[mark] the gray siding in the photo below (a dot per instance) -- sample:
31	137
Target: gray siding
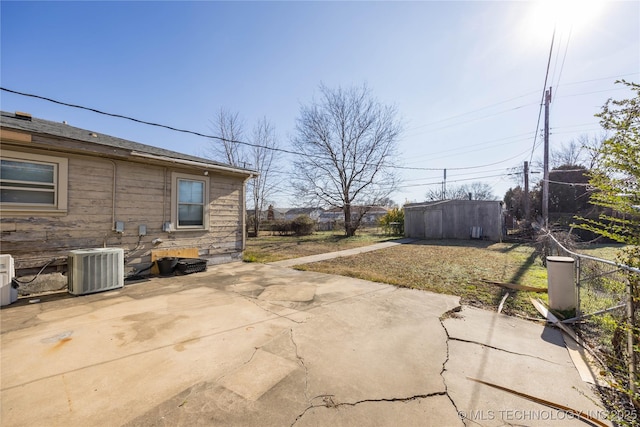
453	219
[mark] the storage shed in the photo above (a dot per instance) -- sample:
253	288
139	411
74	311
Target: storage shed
454	219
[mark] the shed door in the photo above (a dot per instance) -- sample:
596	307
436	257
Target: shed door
433	224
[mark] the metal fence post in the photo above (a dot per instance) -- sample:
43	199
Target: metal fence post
632	356
578	270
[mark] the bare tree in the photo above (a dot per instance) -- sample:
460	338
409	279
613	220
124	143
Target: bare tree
581	151
481	191
259	154
568	154
230	128
262	155
347	141
475	191
591	147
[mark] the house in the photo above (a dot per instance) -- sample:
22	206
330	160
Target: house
373	214
454	219
331	215
313	213
370	215
66	188
270	214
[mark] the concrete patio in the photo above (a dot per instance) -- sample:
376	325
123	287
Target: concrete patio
252	344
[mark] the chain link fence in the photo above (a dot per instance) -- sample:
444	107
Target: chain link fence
607	320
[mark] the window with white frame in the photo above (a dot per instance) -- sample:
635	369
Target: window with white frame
33	182
190	202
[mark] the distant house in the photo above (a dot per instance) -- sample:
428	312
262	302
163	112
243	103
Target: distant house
370	214
373	214
65	188
454	219
331	215
276	213
313	213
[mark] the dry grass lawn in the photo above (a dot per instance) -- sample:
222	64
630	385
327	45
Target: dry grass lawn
450	267
268	248
455	268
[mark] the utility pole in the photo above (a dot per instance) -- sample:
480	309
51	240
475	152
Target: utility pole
444	186
545	182
526	190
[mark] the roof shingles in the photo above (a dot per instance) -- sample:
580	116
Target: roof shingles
63	130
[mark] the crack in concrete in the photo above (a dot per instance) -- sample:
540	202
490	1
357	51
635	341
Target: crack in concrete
327	402
331	404
301	360
502	349
255	350
451	313
446	360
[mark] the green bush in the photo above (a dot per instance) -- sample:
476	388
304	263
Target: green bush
303	225
393	221
281	226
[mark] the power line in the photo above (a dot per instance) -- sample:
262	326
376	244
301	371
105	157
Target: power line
601	78
595	91
120	116
571	184
221	138
564	57
471	120
544	89
451	181
518	97
261	146
473	111
484	148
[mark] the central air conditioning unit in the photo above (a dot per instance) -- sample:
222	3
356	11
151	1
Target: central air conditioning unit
8	294
95	270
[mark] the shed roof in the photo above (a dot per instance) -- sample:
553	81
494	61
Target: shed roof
450	201
63	130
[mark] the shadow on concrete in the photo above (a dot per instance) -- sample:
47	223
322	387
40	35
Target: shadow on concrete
552	336
61	295
39	299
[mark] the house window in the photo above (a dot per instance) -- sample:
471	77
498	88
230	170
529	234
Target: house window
190	202
32	182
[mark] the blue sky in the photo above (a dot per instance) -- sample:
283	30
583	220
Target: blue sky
466	77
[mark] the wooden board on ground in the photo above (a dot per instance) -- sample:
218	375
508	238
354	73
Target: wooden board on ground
177	252
584	359
514	286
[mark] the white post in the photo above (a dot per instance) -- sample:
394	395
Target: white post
561	283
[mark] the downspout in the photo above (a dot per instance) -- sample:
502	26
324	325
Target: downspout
164	197
244	211
244	214
113	193
113	201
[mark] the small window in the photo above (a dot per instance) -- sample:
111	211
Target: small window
31	182
189	208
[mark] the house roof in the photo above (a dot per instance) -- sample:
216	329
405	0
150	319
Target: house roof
302	211
136	149
356	208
